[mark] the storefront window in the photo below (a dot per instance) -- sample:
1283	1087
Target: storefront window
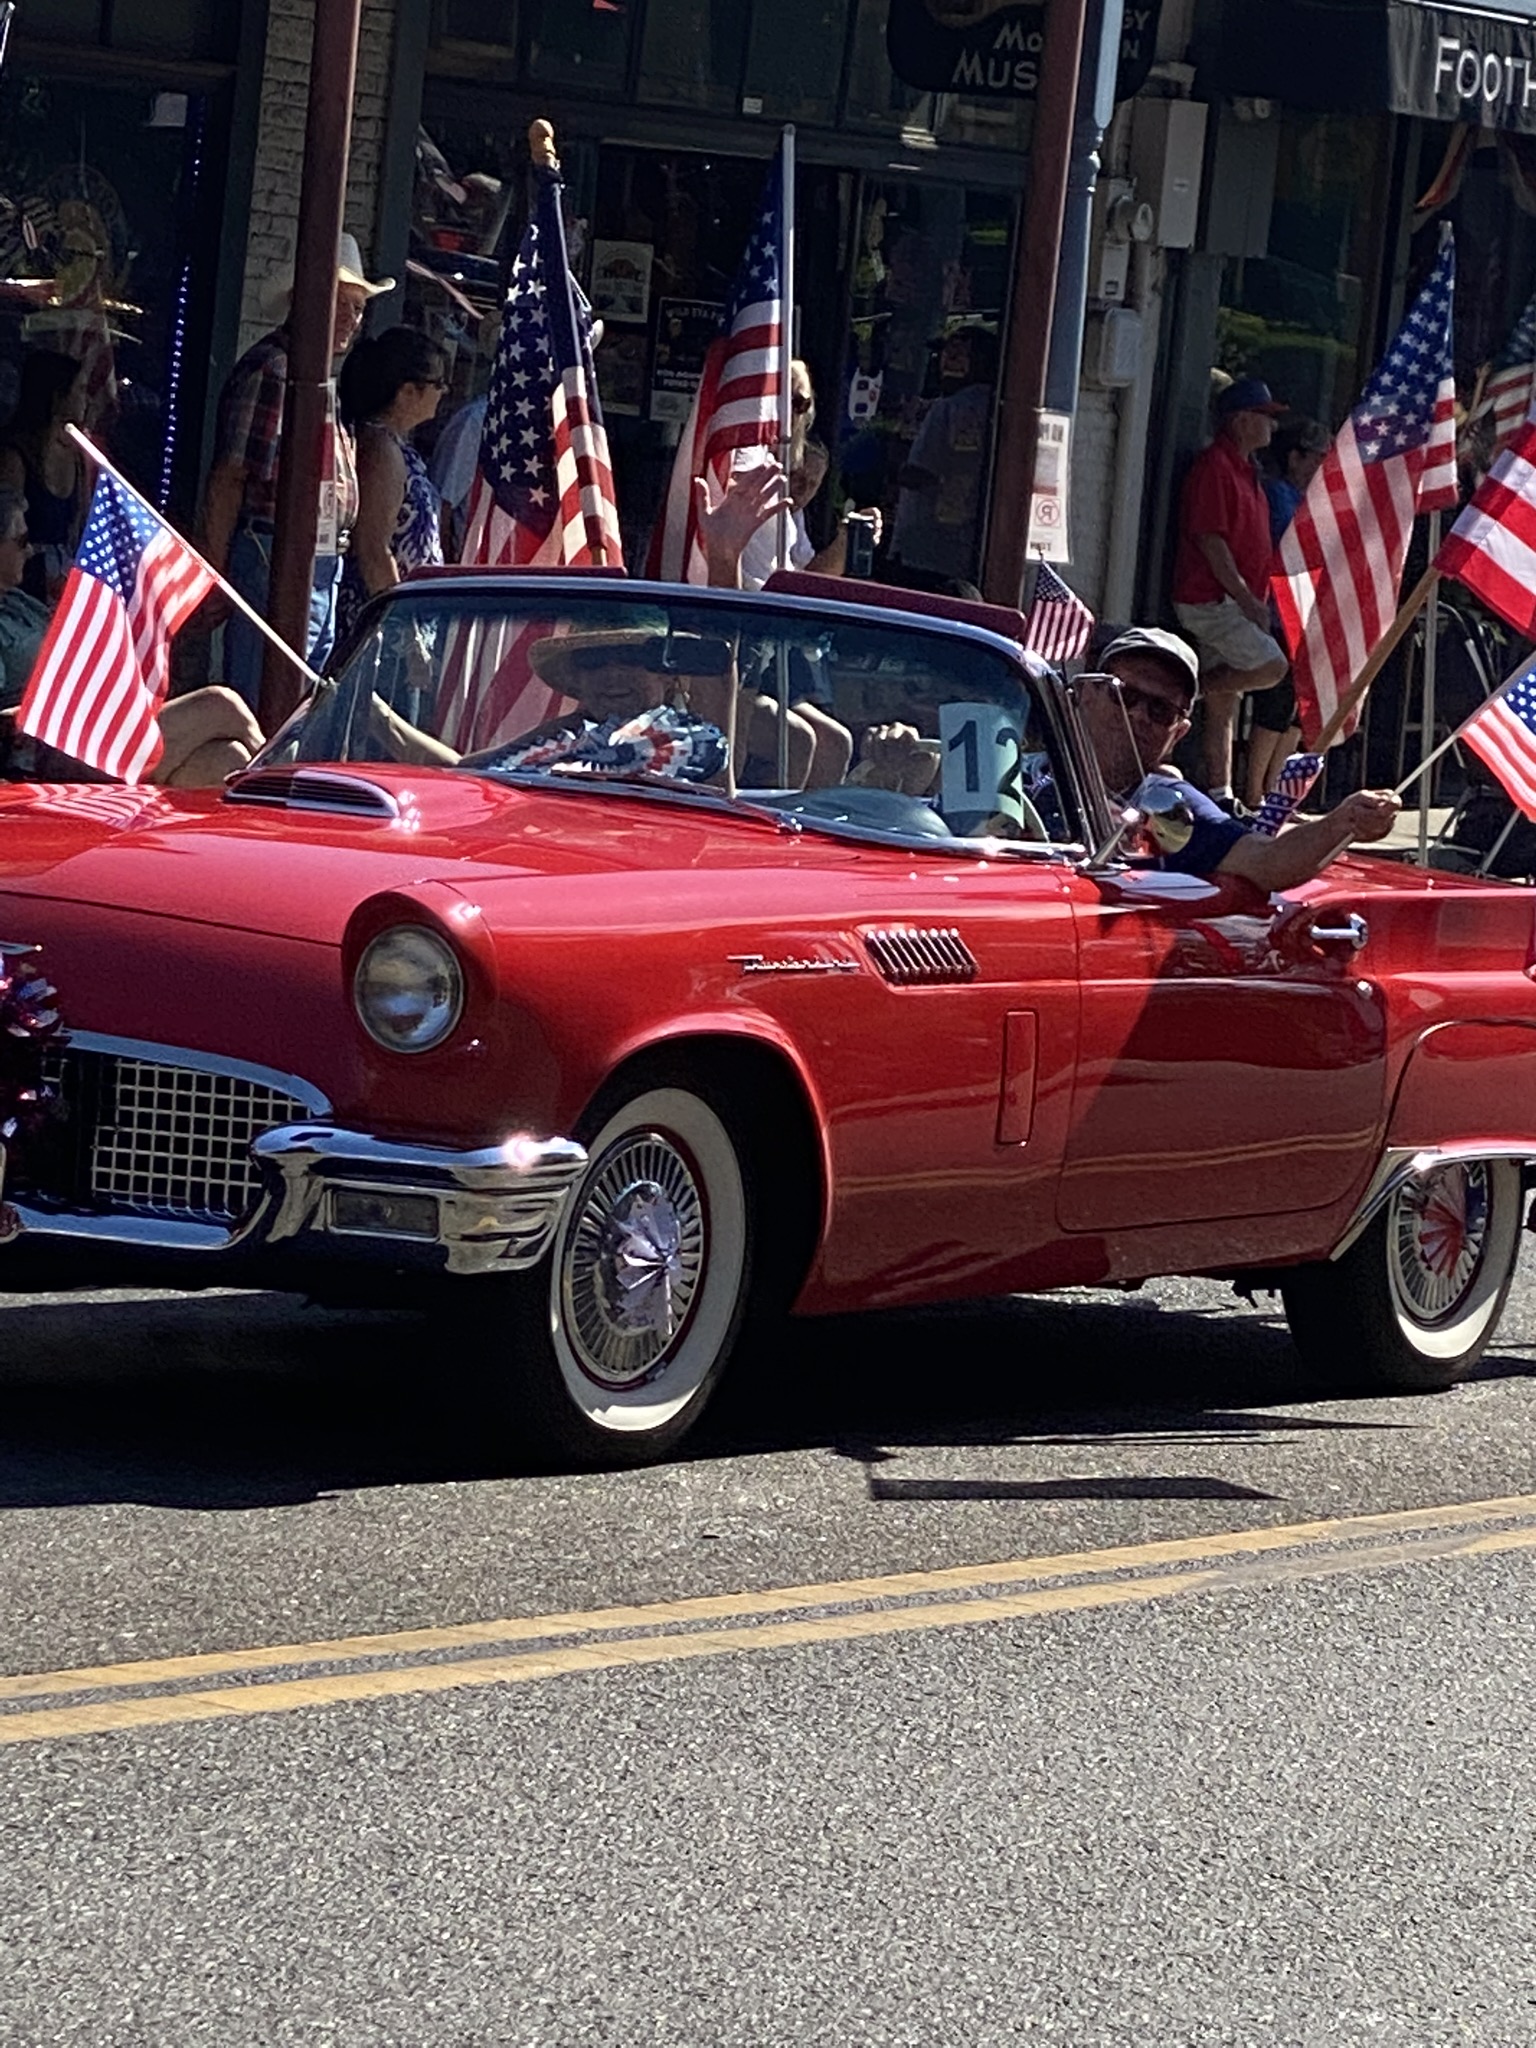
571	42
692	54
108	254
185	28
876	98
489	23
795	60
1297	316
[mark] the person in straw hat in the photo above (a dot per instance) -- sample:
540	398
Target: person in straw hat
240	504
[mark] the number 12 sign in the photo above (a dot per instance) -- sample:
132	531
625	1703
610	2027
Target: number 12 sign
981	791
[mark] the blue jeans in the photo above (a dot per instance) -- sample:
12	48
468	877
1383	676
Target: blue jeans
250	571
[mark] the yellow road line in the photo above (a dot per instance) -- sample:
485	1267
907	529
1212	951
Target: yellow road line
166	1710
775	1600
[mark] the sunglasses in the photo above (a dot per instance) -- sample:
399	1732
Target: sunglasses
799	403
1155	710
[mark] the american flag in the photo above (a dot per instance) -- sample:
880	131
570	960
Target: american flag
543	492
1503	734
1339	564
740	398
1492	546
1296	777
1059	624
1511	377
101	674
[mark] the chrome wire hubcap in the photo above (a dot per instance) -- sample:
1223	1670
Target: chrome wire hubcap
634	1260
1440	1232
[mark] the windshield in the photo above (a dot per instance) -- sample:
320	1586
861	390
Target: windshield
861	722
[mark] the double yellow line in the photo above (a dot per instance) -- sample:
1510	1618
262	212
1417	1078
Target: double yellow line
161	1692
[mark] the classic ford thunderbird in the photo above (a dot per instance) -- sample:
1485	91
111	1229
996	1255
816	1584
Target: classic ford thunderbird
547	954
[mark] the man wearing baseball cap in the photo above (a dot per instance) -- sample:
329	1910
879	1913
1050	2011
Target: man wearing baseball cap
1136	712
1221	571
240	503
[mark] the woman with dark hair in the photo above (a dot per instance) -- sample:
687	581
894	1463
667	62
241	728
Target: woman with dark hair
41	462
390	386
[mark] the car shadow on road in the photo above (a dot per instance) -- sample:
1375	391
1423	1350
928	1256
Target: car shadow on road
253	1401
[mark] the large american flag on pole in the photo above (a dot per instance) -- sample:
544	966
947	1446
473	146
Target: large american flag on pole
543	492
102	671
1511	379
1340	563
1492	546
740	398
1059	625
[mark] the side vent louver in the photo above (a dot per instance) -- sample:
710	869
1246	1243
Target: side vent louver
920	956
311	789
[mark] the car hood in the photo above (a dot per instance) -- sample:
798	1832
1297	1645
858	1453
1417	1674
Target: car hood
203	857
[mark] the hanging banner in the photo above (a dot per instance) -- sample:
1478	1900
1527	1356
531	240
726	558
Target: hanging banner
990	49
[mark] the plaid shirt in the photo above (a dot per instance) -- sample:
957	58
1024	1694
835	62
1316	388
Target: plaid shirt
251	425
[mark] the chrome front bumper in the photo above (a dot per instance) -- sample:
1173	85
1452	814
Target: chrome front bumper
341	1195
494	1210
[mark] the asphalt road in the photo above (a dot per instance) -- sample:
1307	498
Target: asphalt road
1058	1671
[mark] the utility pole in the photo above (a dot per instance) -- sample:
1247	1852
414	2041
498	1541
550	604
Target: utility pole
1022	390
306	409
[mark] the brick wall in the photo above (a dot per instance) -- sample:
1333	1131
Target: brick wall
280	142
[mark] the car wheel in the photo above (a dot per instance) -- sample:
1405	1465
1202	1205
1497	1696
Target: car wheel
1411	1305
637	1309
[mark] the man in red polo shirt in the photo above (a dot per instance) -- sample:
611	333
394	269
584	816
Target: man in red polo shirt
1221	572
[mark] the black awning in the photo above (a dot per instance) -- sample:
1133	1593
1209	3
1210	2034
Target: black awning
1442	63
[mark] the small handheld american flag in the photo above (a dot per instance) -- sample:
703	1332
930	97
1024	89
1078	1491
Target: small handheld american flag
1059	625
1503	734
1295	779
102	672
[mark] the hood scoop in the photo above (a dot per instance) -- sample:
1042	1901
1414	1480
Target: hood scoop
312	789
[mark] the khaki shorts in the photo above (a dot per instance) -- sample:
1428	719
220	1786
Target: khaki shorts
1225	638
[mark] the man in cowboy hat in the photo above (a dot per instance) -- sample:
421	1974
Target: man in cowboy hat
240	504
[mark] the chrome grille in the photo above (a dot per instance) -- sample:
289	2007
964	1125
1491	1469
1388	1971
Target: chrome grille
155	1139
914	956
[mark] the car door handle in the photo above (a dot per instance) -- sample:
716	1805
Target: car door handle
1353	932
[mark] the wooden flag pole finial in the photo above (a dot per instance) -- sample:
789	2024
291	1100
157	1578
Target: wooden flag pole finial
541	144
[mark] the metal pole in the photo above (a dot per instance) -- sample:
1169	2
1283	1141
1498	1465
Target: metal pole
786	424
1102	32
322	198
1427	713
1022	392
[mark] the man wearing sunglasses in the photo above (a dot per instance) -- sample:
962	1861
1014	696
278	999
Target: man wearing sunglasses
1135	714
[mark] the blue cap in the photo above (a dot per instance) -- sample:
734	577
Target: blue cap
1247	394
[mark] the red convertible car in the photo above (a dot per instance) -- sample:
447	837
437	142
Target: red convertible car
539	954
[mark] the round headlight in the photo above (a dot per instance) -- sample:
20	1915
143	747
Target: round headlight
408	989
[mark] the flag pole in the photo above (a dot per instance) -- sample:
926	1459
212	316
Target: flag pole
1348	705
785	517
89	449
1427	706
